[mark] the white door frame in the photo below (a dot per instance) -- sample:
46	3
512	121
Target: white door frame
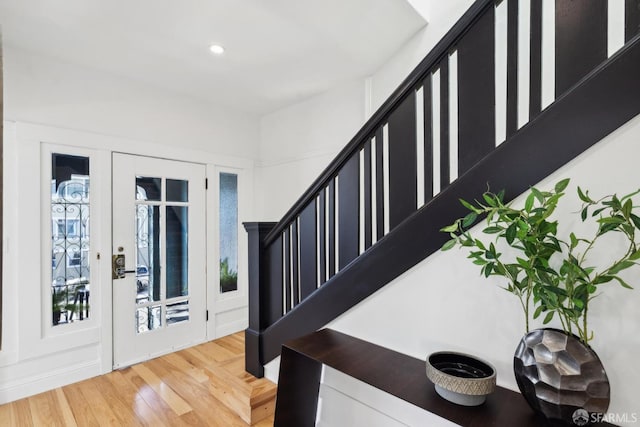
30	137
131	347
228	312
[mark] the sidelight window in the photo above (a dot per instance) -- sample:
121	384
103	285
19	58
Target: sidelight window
228	232
70	202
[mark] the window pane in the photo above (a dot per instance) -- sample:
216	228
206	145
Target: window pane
228	232
69	238
177	256
147	253
148	318
148	188
177	312
177	190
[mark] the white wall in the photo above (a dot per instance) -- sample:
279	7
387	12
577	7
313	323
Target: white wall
298	142
441	17
48	91
60	103
37	357
443	303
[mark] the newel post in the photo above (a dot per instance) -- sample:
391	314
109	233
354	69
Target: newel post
258	288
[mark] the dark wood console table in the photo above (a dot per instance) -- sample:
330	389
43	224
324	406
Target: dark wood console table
395	373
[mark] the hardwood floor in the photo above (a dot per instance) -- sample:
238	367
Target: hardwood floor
203	385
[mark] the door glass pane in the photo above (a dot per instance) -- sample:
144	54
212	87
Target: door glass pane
147	253
177	312
148	318
228	232
148	188
177	190
177	256
69	238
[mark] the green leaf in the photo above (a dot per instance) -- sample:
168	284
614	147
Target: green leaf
623	283
489	199
467	241
492	249
627	208
538	311
584	213
560	186
469	206
449	244
574	240
636	220
538	194
621	266
513	270
450	228
634	256
584	197
555	290
528	204
488	269
628	229
469	219
603	279
611	220
548	317
630	195
492	230
511	233
605	228
615	202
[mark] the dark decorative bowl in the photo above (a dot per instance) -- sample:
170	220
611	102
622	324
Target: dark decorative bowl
461	378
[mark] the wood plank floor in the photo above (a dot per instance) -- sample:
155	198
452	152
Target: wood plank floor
179	389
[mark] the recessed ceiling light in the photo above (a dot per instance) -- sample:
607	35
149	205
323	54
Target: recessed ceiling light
216	49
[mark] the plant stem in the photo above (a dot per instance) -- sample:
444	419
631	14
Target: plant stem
525	309
562	321
585	331
526	315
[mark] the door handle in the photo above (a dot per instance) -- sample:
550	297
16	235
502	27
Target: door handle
117	267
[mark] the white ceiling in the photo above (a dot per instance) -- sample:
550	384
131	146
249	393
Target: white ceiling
277	51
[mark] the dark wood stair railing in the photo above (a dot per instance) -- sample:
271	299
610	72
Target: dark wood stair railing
363	222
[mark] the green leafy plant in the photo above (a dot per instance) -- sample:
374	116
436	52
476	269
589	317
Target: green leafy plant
549	275
228	277
60	303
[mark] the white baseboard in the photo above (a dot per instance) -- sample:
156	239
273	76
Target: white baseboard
231	328
26	387
272	370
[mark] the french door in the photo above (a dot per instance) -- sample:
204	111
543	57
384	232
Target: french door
159	257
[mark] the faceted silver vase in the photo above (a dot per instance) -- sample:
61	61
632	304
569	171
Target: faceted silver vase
560	377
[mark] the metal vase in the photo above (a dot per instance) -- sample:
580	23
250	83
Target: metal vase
561	377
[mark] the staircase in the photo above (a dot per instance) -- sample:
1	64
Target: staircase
441	136
252	399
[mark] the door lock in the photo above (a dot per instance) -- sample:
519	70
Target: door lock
118	270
